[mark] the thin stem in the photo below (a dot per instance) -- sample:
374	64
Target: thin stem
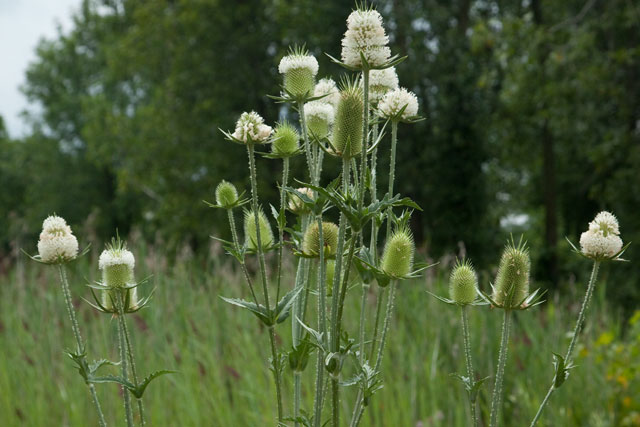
377	321
334	337
363	306
297	395
76	333
285	178
496	399
236	243
307	144
123	358
373	243
322	326
392	170
133	370
467	353
263	274
365	137
574	339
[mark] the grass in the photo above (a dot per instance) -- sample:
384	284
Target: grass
221	353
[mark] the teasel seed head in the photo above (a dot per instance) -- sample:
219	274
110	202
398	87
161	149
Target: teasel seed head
319	118
286	140
57	244
393	102
299	71
117	264
397	257
365	34
512	281
329	90
250	129
295	203
463	283
226	194
381	82
311	239
250	232
347	128
602	240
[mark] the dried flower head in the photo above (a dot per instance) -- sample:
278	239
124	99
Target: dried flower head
311	240
226	194
365	35
381	82
463	283
299	70
347	129
327	87
57	244
394	101
286	140
397	257
295	203
512	282
602	241
250	129
319	118
251	233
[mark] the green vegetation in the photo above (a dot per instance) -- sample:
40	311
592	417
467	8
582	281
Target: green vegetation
220	354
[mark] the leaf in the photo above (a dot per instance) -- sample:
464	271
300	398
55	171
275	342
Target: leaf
283	307
562	370
139	391
259	310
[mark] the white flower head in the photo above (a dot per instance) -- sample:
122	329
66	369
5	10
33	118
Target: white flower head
297	61
250	128
605	222
57	246
395	100
329	88
116	256
365	34
601	240
319	110
595	244
381	82
55	224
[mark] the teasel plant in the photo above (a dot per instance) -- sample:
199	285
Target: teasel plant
58	246
119	297
600	243
463	292
510	292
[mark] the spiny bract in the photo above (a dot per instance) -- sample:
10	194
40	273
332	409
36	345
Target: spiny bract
347	128
397	258
512	281
251	234
311	240
463	283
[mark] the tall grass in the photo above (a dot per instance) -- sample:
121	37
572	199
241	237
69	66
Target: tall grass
223	378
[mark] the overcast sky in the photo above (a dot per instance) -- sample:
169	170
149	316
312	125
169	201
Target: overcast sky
22	24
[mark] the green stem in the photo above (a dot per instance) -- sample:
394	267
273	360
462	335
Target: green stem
322	326
76	333
285	178
123	357
334	337
392	170
496	399
373	243
263	274
574	339
467	353
133	370
305	135
365	138
374	340
236	243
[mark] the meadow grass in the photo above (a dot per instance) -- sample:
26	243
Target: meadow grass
221	352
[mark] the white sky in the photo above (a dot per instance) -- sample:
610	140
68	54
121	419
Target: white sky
22	24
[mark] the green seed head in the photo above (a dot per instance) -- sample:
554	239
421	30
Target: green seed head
299	70
286	140
250	232
512	282
117	264
463	283
226	194
347	128
299	81
397	258
311	240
